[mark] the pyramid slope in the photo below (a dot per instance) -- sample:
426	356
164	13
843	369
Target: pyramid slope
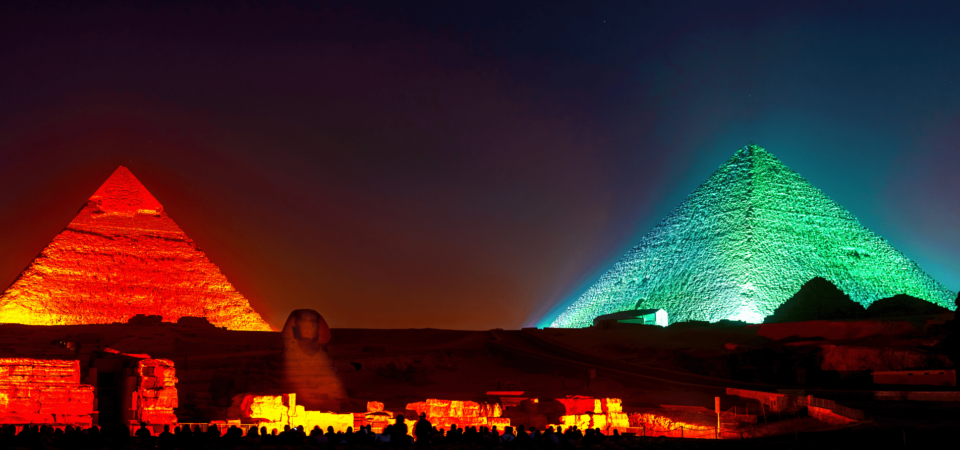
744	242
121	256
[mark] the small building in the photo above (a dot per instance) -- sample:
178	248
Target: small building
935	377
636	316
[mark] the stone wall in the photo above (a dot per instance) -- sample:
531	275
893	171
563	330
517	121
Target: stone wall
43	391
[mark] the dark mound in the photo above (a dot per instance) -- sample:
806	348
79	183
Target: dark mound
817	299
903	305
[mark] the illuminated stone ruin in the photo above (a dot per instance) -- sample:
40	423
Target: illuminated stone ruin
147	388
121	256
576	410
307	369
744	242
587	412
443	413
276	411
156	395
44	391
676	424
376	417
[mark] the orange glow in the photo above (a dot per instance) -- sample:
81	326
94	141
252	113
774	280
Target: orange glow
373	407
376	417
588	412
275	411
581	405
657	425
584	421
121	256
44	391
611	405
443	413
156	397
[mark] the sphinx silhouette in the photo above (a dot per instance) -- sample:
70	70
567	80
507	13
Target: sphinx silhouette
307	369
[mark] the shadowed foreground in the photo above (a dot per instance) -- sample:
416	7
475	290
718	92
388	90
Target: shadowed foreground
117	437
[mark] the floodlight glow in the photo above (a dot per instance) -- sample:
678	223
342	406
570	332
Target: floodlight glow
742	244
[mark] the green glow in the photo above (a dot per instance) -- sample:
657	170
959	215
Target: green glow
743	243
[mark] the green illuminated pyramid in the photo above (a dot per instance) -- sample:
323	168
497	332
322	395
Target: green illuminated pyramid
743	243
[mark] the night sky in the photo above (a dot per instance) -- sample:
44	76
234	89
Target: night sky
467	164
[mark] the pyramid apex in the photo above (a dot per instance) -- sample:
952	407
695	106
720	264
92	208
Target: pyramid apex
124	193
751	149
754	156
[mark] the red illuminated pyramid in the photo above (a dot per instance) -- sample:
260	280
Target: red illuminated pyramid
119	257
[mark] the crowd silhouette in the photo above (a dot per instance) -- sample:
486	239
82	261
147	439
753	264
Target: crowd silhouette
394	435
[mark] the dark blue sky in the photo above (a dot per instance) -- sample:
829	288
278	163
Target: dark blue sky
467	165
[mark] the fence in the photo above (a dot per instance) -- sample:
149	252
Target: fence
729	422
685	432
675	432
737	414
849	413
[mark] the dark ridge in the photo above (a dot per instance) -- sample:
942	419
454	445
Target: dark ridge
817	299
903	305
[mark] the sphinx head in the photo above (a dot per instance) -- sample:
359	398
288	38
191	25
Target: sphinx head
308	328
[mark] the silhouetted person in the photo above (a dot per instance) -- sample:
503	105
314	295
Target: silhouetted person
93	439
491	436
423	429
119	435
453	436
253	436
599	434
589	438
69	437
398	436
384	436
9	436
184	438
507	437
212	436
551	437
616	435
575	434
56	437
143	433
165	439
46	436
232	438
469	435
24	437
522	436
317	437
